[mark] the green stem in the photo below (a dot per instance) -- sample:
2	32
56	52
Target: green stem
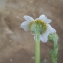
54	53
56	46
55	50
37	47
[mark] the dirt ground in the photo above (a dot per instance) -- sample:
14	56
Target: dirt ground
16	45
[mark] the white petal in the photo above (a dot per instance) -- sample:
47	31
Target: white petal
50	29
44	38
45	19
36	19
28	18
24	25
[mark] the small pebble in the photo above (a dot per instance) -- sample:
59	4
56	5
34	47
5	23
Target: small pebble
48	2
33	57
17	16
10	40
11	60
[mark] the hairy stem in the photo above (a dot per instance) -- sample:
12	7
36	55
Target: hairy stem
37	47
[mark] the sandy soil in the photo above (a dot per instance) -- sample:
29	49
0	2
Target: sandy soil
16	45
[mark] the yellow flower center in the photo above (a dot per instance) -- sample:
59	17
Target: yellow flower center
37	25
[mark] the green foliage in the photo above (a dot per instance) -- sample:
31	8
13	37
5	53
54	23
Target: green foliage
54	54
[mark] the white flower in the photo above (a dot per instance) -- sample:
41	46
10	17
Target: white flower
42	18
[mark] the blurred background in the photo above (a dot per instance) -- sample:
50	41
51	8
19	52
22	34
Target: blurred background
16	45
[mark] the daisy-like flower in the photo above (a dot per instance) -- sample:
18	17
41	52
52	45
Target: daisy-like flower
40	24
